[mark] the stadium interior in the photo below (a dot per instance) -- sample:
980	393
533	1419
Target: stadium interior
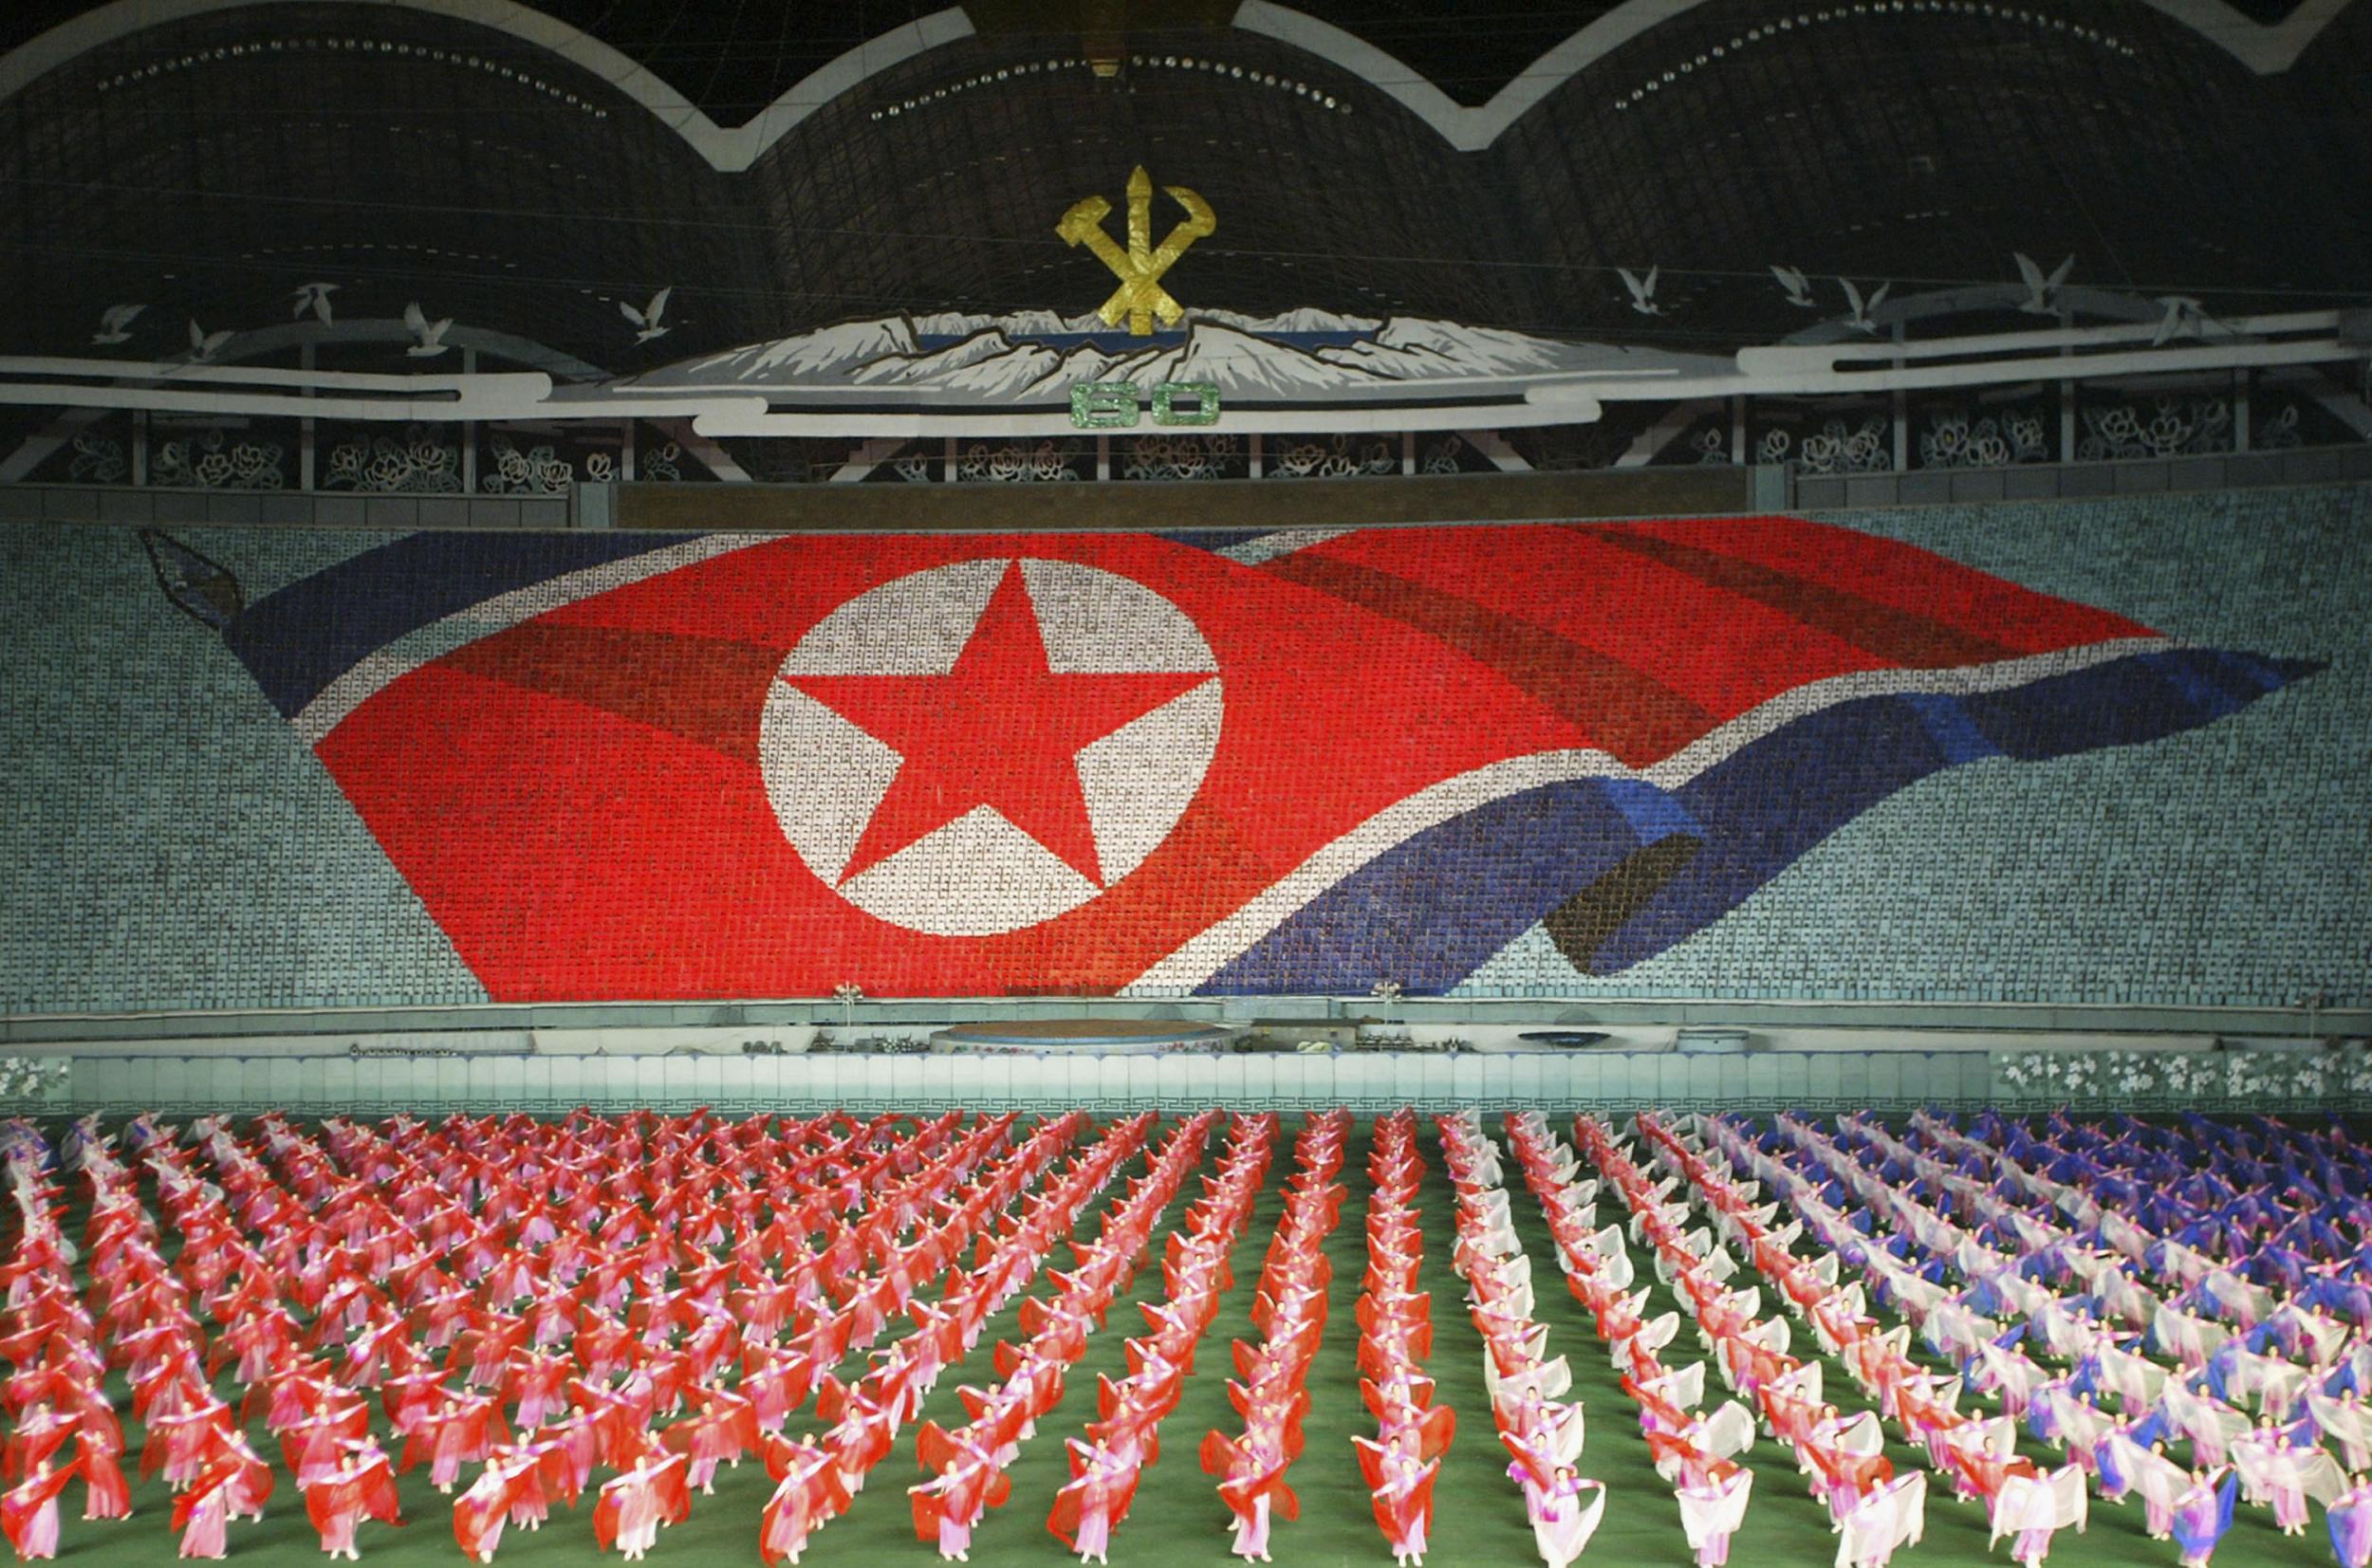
1598	773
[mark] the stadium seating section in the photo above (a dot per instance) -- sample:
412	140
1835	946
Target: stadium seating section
2005	753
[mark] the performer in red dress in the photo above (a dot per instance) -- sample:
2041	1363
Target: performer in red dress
722	1429
1254	1491
105	1492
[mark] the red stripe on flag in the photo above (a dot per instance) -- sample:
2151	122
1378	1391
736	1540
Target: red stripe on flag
1901	578
1714	649
603	833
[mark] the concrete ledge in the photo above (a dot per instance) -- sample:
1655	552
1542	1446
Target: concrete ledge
127	506
63	503
494	1021
1200	504
1253	504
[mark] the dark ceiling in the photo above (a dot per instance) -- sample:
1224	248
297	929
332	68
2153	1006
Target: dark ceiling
735	57
205	167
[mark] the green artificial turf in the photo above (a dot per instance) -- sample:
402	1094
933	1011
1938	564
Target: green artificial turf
1178	1518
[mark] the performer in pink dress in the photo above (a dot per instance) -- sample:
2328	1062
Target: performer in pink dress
1253	1490
202	1511
1404	1505
105	1492
810	1494
362	1487
2349	1520
29	1510
315	1446
1570	1508
633	1505
723	1428
1712	1508
947	1506
512	1490
463	1429
2204	1514
1098	1498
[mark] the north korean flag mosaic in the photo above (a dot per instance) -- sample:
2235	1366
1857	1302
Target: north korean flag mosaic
628	765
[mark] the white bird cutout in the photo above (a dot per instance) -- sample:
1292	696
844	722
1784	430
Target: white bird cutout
204	345
313	297
648	316
1642	290
2184	314
112	322
1799	288
1860	321
2041	292
431	334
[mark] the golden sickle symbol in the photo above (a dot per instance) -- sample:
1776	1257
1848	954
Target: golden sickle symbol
1140	296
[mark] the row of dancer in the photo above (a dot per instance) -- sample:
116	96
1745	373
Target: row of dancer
56	1394
659	1469
1694	1449
967	1464
2271	1463
1126	1434
1542	1431
2027	1505
2267	1202
2017	1263
1874	1511
1844	1454
1696	1454
1289	1310
2264	1318
1402	1461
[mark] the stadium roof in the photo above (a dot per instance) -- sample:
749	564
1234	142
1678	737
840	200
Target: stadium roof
531	171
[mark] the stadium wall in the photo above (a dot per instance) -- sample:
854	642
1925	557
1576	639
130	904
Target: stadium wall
174	843
553	1083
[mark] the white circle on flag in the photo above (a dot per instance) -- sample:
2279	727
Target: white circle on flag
979	874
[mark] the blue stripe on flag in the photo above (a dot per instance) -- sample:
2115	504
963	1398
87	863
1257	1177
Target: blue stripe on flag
1428	910
1214	540
1653	814
2198	685
1950	726
298	640
1458	892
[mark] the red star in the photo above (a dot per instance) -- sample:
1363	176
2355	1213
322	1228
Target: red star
1001	730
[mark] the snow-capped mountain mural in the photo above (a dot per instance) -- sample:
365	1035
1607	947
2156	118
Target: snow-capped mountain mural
1034	358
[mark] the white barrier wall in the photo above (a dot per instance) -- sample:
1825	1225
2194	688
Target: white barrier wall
1364	1081
2315	1081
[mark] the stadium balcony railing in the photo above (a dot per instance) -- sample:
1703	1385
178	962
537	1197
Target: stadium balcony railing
1613	492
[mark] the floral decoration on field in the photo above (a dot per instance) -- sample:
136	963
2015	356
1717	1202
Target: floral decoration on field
2121	1078
32	1077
